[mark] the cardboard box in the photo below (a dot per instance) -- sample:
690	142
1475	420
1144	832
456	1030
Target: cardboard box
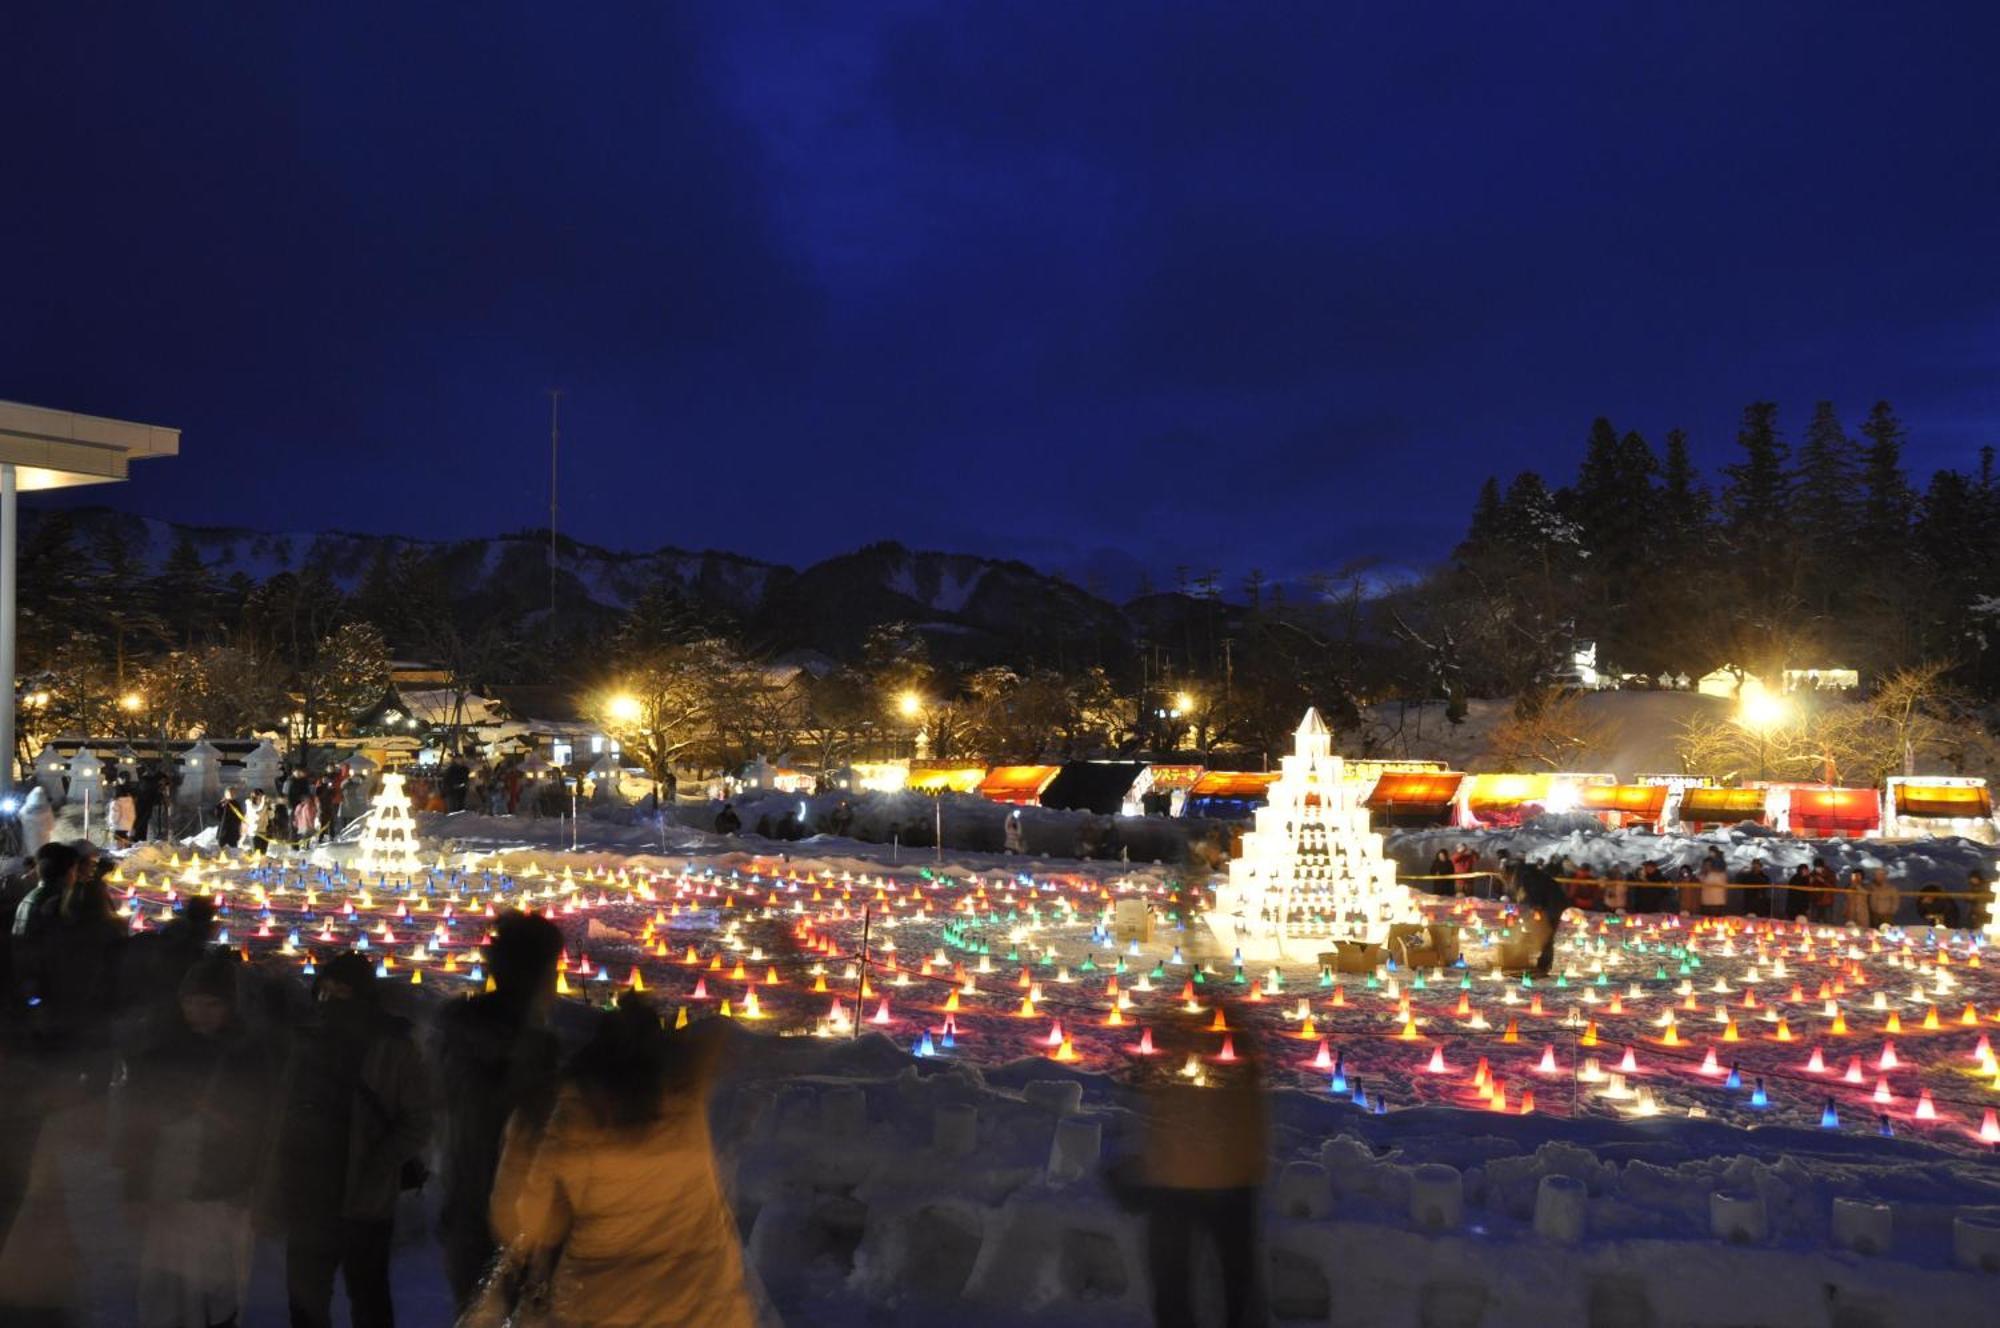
1132	920
1353	957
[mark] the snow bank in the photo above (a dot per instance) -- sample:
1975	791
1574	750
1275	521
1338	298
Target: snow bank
849	1190
1584	840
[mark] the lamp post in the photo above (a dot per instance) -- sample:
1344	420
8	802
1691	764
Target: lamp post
910	705
1762	711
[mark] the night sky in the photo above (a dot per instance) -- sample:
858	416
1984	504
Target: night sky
1096	285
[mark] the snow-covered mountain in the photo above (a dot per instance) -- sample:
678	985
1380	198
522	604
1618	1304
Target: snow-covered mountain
972	608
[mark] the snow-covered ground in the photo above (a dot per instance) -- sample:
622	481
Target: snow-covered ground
863	1199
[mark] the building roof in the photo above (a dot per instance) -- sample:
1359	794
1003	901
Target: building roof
55	449
557	705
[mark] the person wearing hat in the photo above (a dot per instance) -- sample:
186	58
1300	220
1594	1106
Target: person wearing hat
197	1108
356	1120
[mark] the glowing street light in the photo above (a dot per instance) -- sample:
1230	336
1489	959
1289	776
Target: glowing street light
131	703
1761	711
624	708
910	705
1183	703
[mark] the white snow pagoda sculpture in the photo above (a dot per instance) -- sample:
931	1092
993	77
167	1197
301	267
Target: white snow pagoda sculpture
389	839
1312	872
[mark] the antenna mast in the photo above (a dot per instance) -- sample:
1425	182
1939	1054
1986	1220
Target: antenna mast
555	438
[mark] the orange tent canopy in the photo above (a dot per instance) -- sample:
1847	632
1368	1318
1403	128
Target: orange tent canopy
1410	792
1944	801
1252	784
1504	792
1722	805
1017	785
1835	810
1646	802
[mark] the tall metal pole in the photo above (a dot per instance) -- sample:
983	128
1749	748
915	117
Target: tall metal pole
555	437
9	537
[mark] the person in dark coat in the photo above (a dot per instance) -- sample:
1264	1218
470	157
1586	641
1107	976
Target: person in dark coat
69	946
197	1106
497	1060
356	1120
727	822
1539	890
228	821
1205	1151
298	792
1755	901
157	961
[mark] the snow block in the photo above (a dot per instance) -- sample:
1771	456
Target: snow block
924	1252
1074	1152
1560	1208
1305	1190
1044	1249
1437	1196
1738	1216
1062	1097
1975	1241
843	1112
1865	1228
955	1128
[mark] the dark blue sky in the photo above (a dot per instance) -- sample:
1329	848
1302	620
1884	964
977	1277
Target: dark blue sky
1233	285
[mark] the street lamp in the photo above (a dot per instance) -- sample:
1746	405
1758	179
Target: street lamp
624	708
1760	712
910	705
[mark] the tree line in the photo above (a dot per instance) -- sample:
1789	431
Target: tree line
1811	547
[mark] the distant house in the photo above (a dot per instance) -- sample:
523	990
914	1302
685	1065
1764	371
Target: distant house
418	722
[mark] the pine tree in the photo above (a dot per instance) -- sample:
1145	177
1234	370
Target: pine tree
1754	500
1686	498
1823	483
186	594
1487	515
1756	505
1823	506
1886	501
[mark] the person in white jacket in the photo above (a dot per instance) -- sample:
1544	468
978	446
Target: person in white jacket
122	815
38	821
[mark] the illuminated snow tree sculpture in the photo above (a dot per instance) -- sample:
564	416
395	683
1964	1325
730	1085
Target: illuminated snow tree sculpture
1312	872
389	839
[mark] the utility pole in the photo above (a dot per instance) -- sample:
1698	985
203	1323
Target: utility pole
555	438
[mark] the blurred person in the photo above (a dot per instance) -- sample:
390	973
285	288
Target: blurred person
1013	837
619	1197
1855	900
1755	901
1714	887
38	821
356	1119
496	1060
196	1112
1205	1150
1825	897
1798	897
1937	908
121	814
1546	901
257	821
228	821
1884	899
1442	870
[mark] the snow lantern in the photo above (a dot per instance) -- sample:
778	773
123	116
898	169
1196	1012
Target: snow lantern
604	776
261	767
86	778
201	775
50	767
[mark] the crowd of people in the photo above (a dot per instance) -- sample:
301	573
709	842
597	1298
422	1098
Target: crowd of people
235	1100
